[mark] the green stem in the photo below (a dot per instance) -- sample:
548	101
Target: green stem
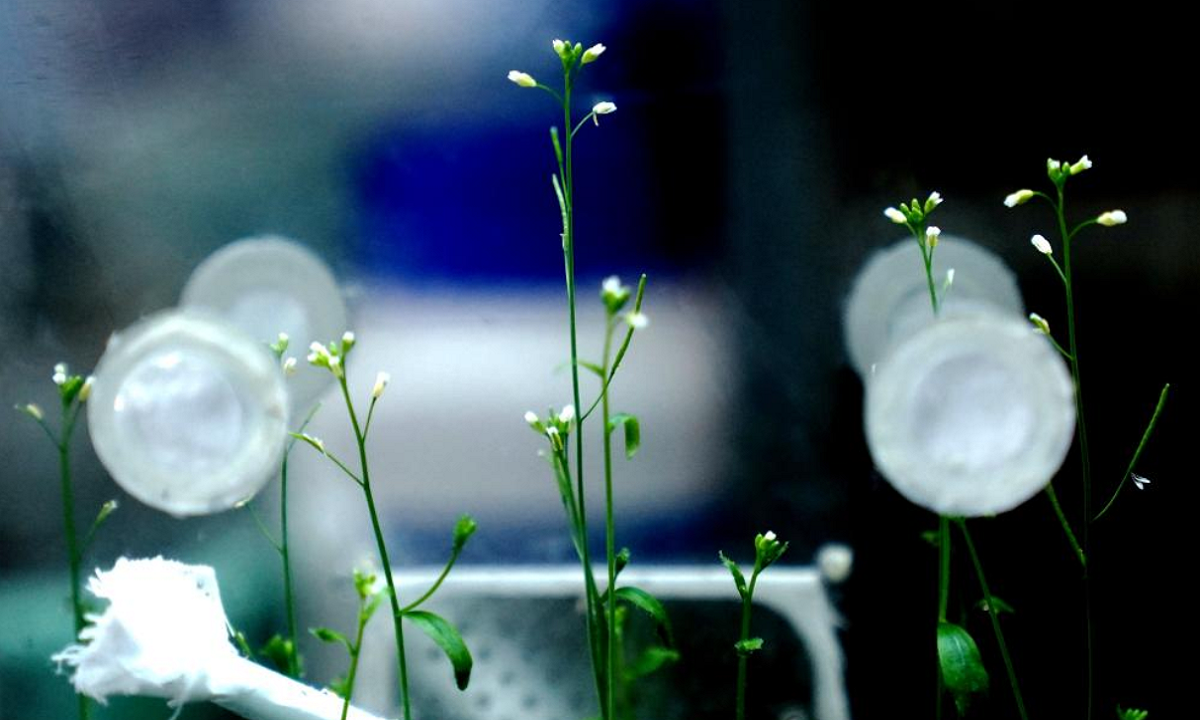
1162	401
358	638
609	529
436	584
397	618
1066	526
1081	432
569	261
73	554
289	597
743	658
991	607
943	592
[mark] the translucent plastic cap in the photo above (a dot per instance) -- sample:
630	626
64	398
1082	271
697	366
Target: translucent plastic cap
188	413
890	298
268	285
970	416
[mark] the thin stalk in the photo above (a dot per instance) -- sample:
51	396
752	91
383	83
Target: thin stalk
1162	401
1066	526
436	584
1081	432
743	659
289	596
943	593
569	262
991	607
358	638
609	529
397	618
73	554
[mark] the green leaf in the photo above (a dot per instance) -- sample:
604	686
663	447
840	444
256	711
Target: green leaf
962	669
599	371
332	636
747	646
279	651
653	658
1131	713
447	638
633	432
736	571
649	604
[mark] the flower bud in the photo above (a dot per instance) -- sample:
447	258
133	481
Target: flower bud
1042	244
895	216
381	382
524	80
592	53
1111	218
1020	197
1082	164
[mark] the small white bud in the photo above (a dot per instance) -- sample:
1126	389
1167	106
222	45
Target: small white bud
1020	197
932	233
284	338
524	80
1082	164
592	53
949	277
33	411
289	366
381	382
567	414
1053	166
1042	244
531	417
611	285
560	48
1112	217
895	216
1138	481
1039	323
602	108
60	373
348	341
769	536
934	199
85	390
637	320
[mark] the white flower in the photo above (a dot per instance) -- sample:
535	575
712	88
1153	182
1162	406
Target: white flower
289	366
381	382
612	286
769	536
348	341
319	354
567	414
934	199
531	417
1082	164
932	233
895	216
60	374
524	80
602	108
33	411
637	320
1053	166
1042	244
1039	323
949	277
1112	217
1138	481
835	561
560	47
85	390
1020	197
592	53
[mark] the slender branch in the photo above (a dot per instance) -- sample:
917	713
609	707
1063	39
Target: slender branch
1137	454
1066	526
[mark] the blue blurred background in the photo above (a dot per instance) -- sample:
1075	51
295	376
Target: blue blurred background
754	147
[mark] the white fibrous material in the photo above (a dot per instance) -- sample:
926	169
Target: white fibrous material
188	414
890	298
164	634
970	416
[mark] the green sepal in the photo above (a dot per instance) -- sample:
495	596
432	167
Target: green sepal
738	578
962	669
332	637
243	645
279	651
653	658
633	432
447	638
620	561
1000	606
649	604
747	646
463	530
1131	713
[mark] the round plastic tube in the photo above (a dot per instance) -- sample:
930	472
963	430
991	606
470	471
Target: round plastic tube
971	416
187	413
